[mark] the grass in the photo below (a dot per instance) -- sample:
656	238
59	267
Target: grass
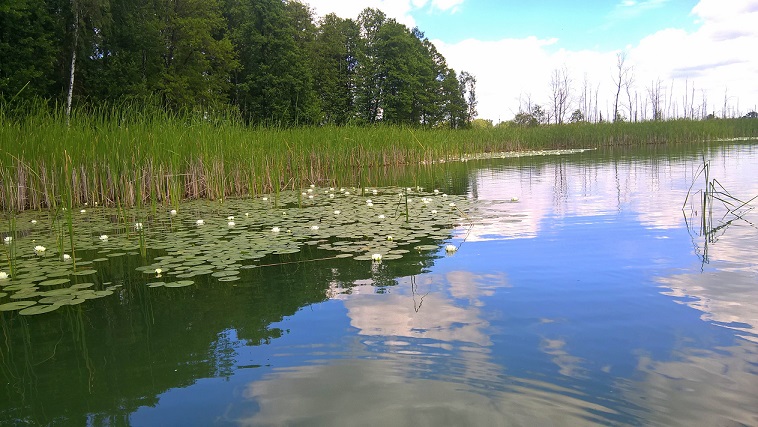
136	155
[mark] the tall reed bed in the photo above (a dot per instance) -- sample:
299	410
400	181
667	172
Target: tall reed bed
135	155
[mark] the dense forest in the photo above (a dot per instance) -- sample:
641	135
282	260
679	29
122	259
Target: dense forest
268	61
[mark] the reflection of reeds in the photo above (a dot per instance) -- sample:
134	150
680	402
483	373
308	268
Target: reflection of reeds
137	155
701	204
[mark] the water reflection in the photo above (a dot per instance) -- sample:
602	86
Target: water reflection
584	301
384	392
700	387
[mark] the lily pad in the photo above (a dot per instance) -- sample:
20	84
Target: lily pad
17	305
54	282
39	309
179	284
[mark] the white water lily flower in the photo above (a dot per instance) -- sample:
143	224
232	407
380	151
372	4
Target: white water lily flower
310	197
138	226
310	190
314	227
230	218
342	190
104	237
247	214
451	248
303	194
313	185
369	204
436	191
275	230
337	212
425	200
389	238
3	275
199	222
265	199
83	211
158	272
444	195
230	224
8	240
331	188
368	201
39	249
374	192
66	257
381	217
434	211
34	221
331	195
172	212
347	193
376	257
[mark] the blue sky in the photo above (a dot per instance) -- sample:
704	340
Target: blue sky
586	25
513	47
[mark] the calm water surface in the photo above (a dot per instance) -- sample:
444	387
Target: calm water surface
588	300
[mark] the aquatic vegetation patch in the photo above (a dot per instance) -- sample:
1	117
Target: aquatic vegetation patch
195	241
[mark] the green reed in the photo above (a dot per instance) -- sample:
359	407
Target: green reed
136	155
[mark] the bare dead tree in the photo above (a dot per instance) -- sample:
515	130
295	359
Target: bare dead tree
655	94
621	71
560	85
628	83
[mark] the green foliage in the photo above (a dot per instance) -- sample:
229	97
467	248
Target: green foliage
269	59
133	154
29	44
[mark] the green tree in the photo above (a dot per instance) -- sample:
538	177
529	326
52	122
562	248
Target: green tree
29	44
274	83
577	116
468	87
198	57
334	68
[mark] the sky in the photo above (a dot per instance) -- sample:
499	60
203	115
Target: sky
706	48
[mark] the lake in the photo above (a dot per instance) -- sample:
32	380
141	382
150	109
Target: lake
584	288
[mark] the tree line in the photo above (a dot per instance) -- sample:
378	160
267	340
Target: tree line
655	101
269	61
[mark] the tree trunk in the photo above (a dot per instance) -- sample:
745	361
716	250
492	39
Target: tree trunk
74	48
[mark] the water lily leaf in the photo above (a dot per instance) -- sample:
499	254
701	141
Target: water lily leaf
179	284
19	286
17	305
39	309
85	272
54	282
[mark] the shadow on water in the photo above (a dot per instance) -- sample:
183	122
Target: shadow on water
96	363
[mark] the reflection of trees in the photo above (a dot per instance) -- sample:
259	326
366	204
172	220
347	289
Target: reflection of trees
104	359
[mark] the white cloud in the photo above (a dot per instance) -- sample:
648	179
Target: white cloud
717	57
627	9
